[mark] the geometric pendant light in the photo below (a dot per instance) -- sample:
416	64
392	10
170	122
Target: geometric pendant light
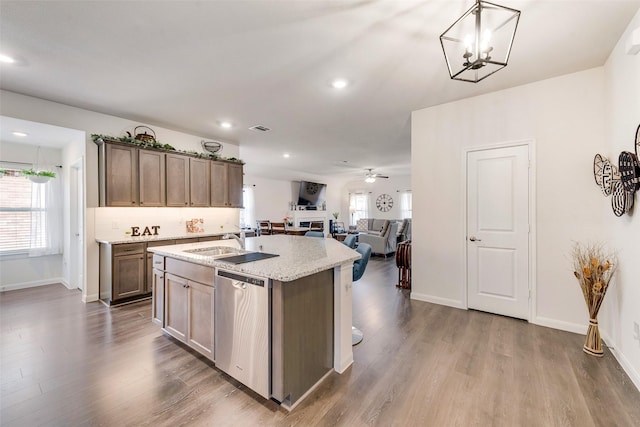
479	43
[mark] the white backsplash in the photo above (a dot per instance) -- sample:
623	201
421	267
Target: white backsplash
113	223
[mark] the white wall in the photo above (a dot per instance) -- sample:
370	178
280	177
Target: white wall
621	308
392	186
273	196
42	111
570	118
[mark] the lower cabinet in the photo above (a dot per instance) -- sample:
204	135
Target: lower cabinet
157	300
189	309
122	272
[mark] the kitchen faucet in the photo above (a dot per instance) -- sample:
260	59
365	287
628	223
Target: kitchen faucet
240	239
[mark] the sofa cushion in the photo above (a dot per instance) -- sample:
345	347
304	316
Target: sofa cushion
379	225
362	225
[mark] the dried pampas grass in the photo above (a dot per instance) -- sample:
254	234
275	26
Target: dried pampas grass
594	267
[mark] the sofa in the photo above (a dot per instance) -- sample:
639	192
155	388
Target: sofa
381	234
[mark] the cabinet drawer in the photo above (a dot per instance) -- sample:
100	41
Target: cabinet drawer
188	270
129	248
186	240
158	262
153	243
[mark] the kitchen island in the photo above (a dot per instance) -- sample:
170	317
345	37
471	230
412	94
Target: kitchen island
280	342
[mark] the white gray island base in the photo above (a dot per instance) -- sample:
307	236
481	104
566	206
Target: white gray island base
278	325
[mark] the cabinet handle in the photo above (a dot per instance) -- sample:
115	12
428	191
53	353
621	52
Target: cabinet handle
133	203
158	262
160	277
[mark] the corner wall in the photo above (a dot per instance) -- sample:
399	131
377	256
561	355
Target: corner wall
620	313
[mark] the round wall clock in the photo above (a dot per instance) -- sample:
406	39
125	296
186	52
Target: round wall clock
312	188
384	203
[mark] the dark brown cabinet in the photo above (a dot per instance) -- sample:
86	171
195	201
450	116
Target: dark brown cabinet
126	270
177	180
120	175
152	178
199	182
226	184
132	176
122	272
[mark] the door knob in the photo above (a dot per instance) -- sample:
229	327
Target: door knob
474	239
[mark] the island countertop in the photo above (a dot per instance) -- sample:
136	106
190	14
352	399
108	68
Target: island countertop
299	256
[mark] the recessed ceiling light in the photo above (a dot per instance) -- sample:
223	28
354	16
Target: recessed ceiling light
6	59
339	83
286	155
226	125
19	133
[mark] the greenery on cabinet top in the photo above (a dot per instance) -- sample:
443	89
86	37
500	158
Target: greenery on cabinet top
99	139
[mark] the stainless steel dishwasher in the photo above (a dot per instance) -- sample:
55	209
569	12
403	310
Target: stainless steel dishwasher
242	326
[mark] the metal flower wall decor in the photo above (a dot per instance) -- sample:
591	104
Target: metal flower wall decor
621	182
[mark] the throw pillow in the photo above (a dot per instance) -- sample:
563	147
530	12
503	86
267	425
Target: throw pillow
361	225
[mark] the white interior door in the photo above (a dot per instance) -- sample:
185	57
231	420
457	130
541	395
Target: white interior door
498	230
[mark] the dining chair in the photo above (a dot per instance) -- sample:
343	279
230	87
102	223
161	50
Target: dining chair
359	266
316	226
314	234
278	228
264	228
350	240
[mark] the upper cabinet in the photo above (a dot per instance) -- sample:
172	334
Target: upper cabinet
199	181
152	178
133	176
226	184
120	178
177	180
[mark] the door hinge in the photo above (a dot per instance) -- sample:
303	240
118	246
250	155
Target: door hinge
529	293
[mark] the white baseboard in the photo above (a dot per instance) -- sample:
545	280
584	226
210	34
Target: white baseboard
438	300
33	284
561	325
90	298
622	360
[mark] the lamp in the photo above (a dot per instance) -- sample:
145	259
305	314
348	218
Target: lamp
369	179
352	210
479	43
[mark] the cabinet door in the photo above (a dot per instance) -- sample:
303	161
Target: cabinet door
200	335
177	182
157	300
121	175
199	182
128	275
152	179
235	182
176	300
218	184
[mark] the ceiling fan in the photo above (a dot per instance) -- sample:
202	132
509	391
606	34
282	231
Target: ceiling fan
371	177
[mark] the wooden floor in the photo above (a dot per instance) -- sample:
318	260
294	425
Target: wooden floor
65	363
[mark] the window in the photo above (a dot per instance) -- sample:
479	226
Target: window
405	204
247	215
358	206
30	215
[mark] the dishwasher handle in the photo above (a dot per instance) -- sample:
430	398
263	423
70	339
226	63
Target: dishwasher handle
239	285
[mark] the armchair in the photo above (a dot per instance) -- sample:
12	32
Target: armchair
383	244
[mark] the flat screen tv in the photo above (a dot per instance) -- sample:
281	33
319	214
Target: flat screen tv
311	194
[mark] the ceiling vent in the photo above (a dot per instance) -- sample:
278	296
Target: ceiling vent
260	128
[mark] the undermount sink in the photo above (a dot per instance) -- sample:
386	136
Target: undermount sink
216	251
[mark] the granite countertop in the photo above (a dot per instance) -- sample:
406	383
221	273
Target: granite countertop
299	256
137	239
